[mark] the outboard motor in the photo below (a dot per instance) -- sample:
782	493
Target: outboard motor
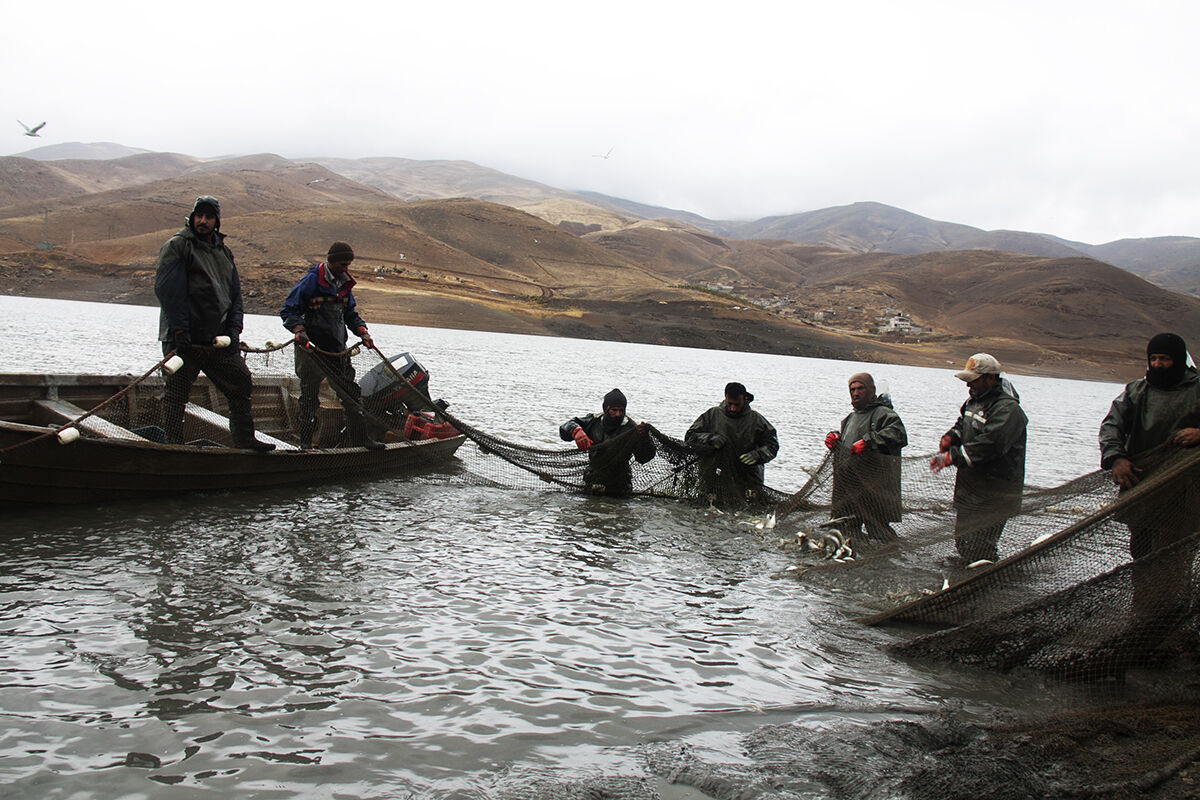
396	401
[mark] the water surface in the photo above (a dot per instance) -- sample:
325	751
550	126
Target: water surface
434	638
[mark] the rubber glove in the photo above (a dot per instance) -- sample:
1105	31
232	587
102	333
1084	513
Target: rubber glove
831	439
946	443
858	447
717	440
940	462
581	439
365	336
748	459
302	338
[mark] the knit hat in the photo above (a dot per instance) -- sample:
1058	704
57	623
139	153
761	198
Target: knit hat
340	251
979	364
614	399
1167	344
865	379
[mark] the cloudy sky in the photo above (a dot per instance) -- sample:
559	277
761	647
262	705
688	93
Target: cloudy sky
1078	119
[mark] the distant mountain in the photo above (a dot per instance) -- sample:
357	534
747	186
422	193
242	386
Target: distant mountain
92	150
584	265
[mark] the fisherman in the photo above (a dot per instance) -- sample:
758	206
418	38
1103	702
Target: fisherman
610	438
318	312
866	463
1152	417
987	446
200	297
734	442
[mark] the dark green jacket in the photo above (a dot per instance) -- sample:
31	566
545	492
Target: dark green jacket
989	452
608	469
721	439
867	485
1143	417
198	288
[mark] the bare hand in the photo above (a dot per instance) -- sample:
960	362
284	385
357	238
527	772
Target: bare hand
1125	474
1188	437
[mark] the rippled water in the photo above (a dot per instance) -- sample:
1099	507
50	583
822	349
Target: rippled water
436	639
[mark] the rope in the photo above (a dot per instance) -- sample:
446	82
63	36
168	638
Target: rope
102	404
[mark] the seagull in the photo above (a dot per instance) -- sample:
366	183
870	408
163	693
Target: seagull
34	130
606	155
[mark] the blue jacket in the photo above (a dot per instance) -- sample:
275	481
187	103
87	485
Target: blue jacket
325	312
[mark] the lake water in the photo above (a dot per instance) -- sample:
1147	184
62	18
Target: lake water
441	639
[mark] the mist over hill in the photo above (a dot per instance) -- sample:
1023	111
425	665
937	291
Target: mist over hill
453	243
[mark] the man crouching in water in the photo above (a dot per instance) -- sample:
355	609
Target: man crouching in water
734	442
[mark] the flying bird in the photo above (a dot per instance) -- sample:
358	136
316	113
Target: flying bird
34	130
594	155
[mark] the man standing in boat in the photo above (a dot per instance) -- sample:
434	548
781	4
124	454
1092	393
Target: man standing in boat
610	439
200	295
987	446
1148	422
734	442
866	462
319	311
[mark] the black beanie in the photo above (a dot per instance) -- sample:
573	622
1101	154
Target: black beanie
1168	344
614	399
340	251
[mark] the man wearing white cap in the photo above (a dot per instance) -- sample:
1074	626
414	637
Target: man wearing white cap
987	446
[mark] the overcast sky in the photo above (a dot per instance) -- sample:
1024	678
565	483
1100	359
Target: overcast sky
1079	119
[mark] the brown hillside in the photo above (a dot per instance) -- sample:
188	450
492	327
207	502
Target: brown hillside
474	264
159	205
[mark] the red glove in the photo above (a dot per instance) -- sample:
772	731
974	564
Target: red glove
831	439
858	447
581	439
940	462
946	443
366	337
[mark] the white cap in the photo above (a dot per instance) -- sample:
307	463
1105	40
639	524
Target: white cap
978	364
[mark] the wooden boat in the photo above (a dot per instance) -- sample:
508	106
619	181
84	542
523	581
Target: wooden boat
115	457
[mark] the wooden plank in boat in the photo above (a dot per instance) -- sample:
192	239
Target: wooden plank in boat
63	411
219	425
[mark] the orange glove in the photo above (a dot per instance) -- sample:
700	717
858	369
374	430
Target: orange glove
858	447
831	439
940	462
581	439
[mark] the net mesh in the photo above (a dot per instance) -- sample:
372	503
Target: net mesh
1066	596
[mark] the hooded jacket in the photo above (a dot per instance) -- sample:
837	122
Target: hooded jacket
1144	416
867	484
721	438
197	286
324	311
989	452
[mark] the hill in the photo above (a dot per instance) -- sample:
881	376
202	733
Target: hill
1171	262
92	230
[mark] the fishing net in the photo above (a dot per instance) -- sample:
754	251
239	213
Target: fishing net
1066	594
